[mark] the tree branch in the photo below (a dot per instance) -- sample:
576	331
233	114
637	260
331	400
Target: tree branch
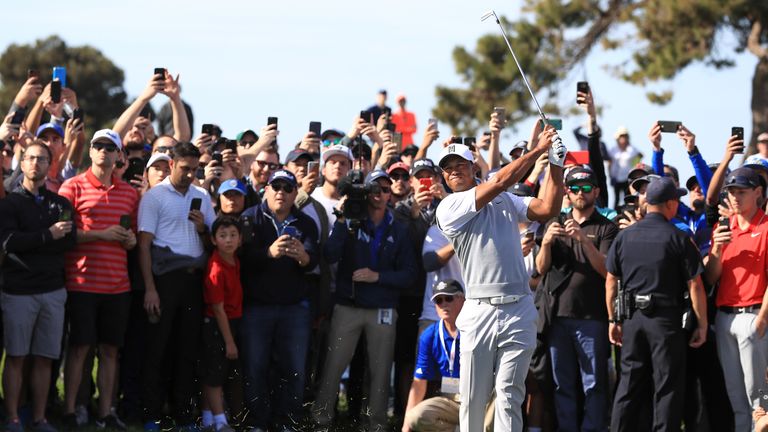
753	41
601	25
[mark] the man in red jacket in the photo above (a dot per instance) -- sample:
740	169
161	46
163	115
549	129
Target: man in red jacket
405	122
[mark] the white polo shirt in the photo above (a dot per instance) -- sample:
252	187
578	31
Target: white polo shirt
163	212
487	242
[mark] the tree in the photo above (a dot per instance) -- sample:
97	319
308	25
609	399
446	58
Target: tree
97	81
664	36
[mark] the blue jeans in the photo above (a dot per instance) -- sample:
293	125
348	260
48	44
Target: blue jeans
579	346
274	339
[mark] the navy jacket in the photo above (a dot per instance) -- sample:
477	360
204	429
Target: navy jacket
34	263
269	281
395	264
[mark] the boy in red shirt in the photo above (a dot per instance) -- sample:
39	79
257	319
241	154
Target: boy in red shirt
223	309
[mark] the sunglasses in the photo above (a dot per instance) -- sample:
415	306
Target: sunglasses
164	149
583	188
246	143
440	299
396	177
269	165
328	142
377	189
285	187
109	148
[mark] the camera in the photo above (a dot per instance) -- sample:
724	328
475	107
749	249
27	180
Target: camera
354	188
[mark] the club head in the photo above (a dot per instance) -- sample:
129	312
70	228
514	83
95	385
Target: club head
487	15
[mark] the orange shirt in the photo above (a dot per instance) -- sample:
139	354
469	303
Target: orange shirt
98	267
405	123
745	263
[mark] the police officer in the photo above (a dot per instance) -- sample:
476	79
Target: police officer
655	263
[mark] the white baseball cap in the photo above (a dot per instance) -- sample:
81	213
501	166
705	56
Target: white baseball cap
455	149
157	157
108	135
336	149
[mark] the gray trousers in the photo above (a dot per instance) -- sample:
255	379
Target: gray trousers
497	343
744	358
347	324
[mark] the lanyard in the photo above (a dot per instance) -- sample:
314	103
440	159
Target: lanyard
452	355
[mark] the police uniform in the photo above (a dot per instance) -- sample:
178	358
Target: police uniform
654	262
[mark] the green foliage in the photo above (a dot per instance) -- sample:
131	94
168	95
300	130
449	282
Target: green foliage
96	80
661	37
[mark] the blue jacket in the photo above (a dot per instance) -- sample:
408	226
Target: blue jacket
269	281
393	260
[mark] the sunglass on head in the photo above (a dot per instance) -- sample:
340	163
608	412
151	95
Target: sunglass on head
440	299
583	188
282	186
329	142
270	165
403	177
109	148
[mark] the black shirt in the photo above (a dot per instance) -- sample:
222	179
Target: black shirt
654	257
584	295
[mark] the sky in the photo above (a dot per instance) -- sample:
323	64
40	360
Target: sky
302	61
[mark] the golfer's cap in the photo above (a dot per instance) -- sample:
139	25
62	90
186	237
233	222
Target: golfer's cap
109	136
156	157
375	175
459	150
398	166
336	149
447	287
663	189
638	182
49	126
232	184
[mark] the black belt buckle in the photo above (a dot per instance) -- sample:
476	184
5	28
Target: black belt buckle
644	302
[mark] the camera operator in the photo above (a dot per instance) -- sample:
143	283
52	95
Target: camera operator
374	262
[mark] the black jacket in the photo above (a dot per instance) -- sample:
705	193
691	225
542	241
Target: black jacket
269	281
34	261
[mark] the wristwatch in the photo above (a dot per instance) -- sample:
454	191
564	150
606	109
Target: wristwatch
338	213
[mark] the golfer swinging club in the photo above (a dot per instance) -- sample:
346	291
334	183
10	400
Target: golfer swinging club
498	321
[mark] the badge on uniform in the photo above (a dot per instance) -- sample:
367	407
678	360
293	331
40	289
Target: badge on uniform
385	316
449	385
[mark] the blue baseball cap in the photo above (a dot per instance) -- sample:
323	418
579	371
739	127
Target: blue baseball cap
283	175
232	184
52	126
663	189
375	175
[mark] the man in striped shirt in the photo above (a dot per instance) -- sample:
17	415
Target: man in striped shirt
97	273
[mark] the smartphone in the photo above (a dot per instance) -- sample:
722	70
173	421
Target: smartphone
582	87
457	140
470	141
125	221
291	231
231	145
161	72
208	129
146	113
315	127
501	111
56	91
397	138
313	166
391	127
724	222
271	121
561	219
365	115
60	74
33	73
217	157
763	399
18	116
738	132
432	121
135	168
426	183
65	215
556	123
77	114
669	126
195	204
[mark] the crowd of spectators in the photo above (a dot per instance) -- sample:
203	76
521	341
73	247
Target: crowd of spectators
220	287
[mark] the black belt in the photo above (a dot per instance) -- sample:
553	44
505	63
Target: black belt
740	310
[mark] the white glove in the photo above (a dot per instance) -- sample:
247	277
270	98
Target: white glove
557	152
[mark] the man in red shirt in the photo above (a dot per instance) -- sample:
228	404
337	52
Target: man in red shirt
405	122
739	259
97	273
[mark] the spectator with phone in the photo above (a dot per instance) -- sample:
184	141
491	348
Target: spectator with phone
405	121
266	162
221	324
623	158
36	230
572	262
281	250
742	316
97	274
374	263
173	222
